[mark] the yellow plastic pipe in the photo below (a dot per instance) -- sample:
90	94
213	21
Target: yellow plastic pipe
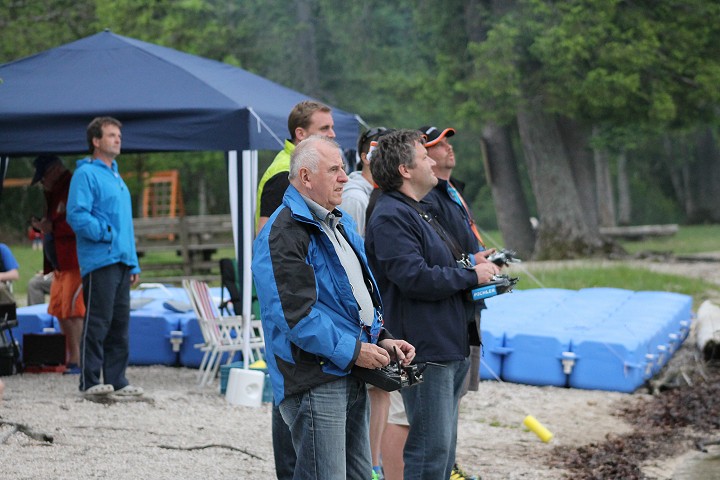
537	427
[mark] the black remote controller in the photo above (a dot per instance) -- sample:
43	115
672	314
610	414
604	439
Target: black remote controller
391	377
504	257
385	378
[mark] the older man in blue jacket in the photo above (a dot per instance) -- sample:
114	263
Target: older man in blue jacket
423	276
322	315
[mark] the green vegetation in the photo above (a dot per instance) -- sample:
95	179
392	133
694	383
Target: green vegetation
689	239
638	80
31	262
613	276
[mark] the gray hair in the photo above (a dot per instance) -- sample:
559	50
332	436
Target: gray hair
394	149
306	154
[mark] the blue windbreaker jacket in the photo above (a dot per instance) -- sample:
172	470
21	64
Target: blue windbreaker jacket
309	314
99	210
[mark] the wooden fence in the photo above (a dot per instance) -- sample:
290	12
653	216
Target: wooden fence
193	239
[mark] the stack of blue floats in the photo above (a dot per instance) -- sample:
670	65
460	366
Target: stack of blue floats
163	327
594	338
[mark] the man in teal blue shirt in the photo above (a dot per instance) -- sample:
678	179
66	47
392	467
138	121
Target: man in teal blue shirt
99	210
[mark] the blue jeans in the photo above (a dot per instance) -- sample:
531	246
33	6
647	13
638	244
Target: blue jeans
104	347
283	449
432	410
330	430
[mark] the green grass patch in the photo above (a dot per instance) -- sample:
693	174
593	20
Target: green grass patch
637	279
492	238
688	240
31	262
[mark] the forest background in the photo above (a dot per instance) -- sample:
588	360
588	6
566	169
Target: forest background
581	113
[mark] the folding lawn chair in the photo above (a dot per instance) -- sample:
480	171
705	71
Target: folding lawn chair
221	334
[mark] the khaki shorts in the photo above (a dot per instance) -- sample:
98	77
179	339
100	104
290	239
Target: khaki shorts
397	413
66	298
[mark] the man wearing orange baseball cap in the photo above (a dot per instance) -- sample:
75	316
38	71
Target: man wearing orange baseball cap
457	219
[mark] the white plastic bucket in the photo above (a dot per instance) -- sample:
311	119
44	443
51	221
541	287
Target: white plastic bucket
245	387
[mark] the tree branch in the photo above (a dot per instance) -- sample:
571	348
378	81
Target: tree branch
212	445
22	428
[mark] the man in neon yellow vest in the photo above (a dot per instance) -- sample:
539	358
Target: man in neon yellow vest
306	118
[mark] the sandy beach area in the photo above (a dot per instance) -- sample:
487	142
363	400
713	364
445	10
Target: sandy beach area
180	431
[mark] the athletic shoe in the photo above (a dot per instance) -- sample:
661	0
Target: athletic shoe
377	474
99	389
129	391
457	474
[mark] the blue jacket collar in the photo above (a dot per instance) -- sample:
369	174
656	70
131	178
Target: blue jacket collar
299	208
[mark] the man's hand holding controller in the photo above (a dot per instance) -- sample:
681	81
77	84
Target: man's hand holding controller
485	272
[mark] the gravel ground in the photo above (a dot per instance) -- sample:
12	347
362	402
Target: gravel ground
178	431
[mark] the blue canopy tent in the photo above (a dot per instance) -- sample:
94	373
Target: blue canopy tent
167	100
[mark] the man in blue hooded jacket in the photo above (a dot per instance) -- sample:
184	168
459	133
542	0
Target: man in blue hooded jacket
99	210
321	315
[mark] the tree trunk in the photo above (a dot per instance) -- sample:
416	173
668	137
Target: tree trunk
502	174
675	175
706	179
580	156
690	207
475	23
202	195
307	62
563	231
708	330
606	202
501	168
623	186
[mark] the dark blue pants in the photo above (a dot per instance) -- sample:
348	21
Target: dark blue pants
104	347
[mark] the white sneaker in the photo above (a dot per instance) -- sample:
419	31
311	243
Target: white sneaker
99	389
129	391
